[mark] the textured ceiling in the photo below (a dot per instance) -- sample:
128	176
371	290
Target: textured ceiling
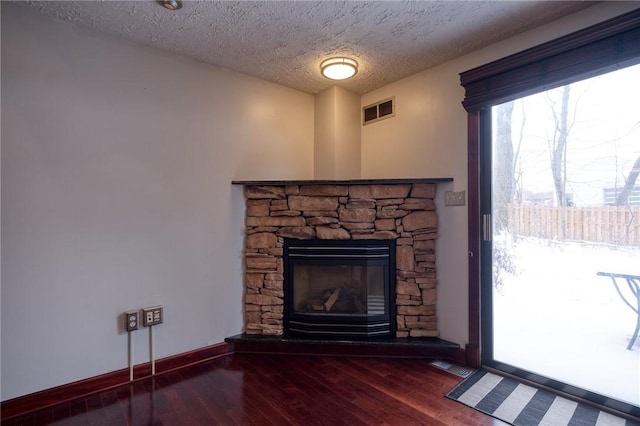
285	41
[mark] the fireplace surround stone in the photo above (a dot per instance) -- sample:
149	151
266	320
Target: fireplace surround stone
398	209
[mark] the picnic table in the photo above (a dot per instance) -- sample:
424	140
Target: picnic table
633	281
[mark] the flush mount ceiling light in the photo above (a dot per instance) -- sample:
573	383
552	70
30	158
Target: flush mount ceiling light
171	4
339	68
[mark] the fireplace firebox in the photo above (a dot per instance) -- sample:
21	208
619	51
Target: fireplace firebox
339	288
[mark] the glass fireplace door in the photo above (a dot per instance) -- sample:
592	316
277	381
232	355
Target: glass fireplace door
339	288
353	290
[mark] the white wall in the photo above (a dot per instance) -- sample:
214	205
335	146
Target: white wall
348	150
428	138
324	166
337	135
117	163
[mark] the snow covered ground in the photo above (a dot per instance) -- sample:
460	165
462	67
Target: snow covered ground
554	316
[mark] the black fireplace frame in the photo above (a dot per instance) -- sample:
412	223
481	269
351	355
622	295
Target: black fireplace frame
334	252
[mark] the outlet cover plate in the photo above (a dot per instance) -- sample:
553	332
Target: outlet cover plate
131	320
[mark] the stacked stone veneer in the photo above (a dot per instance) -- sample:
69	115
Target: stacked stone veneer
402	212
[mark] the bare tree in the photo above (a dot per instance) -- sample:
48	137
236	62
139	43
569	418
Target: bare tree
517	164
559	148
558	151
504	179
630	182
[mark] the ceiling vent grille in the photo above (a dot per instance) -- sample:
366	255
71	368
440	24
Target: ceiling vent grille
379	111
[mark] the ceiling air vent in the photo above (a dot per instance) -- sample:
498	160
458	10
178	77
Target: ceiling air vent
379	111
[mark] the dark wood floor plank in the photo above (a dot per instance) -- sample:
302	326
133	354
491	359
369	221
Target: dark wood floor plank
418	391
319	408
272	392
380	404
390	389
278	390
326	405
229	405
332	383
377	403
216	393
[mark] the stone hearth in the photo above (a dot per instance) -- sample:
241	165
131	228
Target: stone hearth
402	210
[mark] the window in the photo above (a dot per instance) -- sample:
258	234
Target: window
611	45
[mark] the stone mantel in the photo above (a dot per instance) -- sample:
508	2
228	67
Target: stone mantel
341	182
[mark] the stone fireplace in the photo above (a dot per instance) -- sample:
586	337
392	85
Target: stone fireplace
398	210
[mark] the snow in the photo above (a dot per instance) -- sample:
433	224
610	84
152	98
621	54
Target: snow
554	316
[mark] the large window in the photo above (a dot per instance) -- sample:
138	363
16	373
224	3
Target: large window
553	145
565	222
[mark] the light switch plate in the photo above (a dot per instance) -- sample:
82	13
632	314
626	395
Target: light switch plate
454	198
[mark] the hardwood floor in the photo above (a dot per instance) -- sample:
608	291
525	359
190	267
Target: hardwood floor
261	389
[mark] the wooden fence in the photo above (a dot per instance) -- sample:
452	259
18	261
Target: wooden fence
606	224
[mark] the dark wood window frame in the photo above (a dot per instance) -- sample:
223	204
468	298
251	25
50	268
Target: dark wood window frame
604	47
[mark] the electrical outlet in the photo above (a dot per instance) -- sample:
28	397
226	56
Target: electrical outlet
454	198
131	320
152	316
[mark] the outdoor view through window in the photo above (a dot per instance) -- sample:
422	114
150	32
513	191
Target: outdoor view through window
566	207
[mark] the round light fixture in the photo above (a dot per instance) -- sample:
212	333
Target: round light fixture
339	68
171	4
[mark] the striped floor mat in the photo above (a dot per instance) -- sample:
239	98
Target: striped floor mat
521	405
